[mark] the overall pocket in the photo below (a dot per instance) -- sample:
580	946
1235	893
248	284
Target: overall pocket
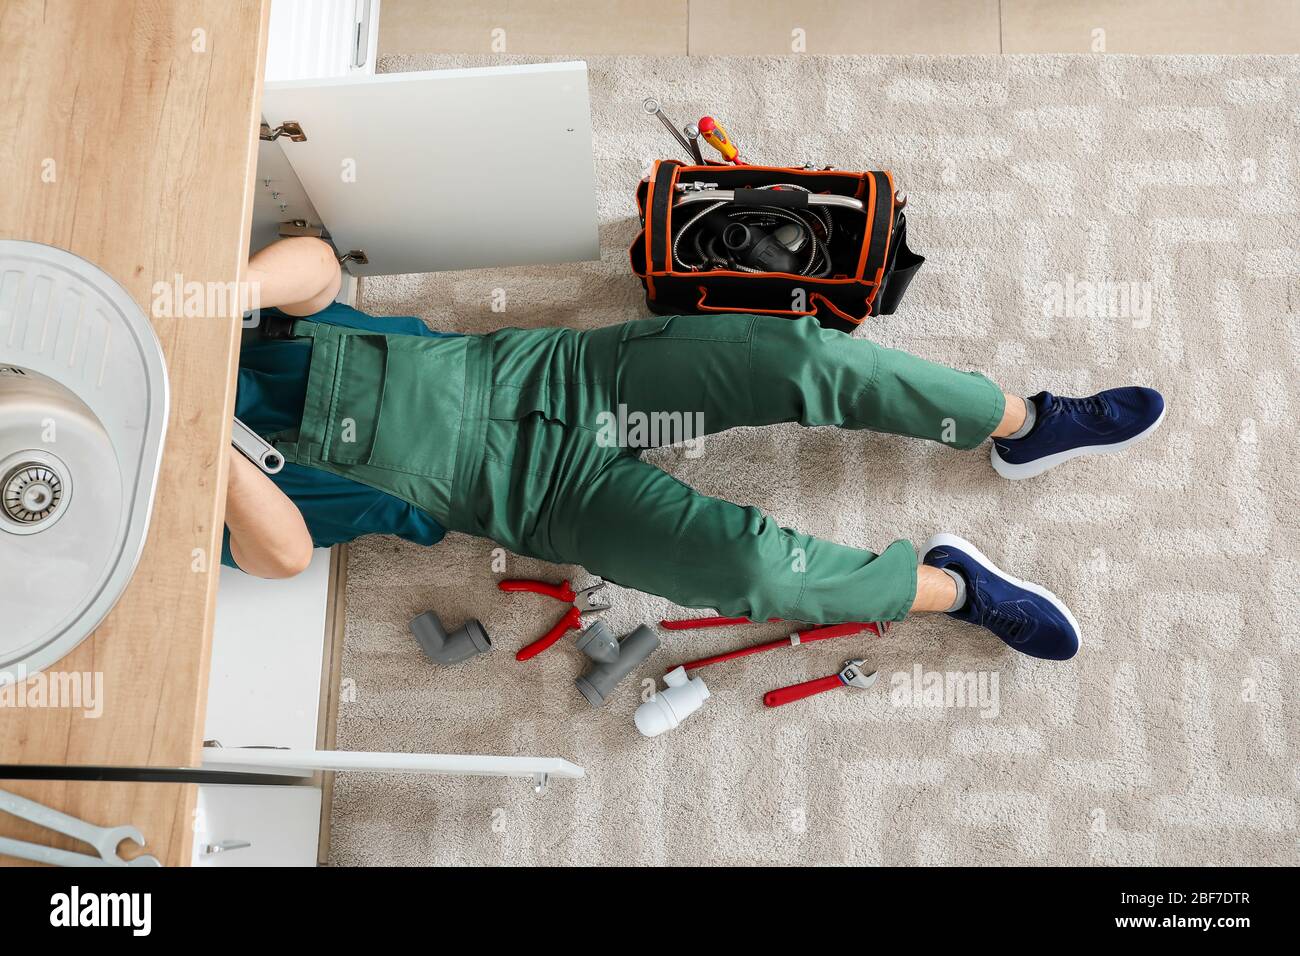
398	404
558	375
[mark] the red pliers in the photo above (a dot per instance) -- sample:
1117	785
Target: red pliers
590	599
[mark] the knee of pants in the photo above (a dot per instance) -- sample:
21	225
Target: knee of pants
641	528
738	560
803	337
824	372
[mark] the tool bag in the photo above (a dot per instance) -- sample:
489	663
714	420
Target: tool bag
867	263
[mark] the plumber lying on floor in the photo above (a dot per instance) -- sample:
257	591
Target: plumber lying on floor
388	427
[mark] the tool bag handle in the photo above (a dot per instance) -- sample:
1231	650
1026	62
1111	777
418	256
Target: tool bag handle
790	198
813	299
747	309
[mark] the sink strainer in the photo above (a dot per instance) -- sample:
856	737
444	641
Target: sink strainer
33	494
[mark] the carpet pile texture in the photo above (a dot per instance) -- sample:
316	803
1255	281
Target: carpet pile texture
1088	222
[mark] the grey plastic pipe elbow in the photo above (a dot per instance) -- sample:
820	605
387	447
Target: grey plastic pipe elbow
607	669
461	644
598	643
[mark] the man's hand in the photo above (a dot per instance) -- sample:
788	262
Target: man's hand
268	537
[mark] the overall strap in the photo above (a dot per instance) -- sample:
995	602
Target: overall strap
324	338
279	327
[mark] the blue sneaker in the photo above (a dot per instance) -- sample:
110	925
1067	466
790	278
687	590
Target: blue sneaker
1066	428
1028	618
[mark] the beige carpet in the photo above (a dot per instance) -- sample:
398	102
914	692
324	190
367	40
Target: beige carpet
1170	739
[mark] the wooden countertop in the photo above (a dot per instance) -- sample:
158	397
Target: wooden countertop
128	136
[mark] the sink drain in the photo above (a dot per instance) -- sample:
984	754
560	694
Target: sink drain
33	494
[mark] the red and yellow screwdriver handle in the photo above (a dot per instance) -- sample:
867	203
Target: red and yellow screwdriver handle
717	137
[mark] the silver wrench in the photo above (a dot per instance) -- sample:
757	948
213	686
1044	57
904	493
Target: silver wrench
692	133
105	840
651	106
255	448
39	853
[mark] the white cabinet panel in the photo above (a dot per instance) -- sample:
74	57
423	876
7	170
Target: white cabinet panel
474	765
447	169
268	646
280	824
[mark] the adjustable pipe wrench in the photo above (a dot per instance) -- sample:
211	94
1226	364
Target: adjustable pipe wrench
851	675
255	448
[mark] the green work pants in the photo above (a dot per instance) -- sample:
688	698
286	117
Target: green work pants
557	481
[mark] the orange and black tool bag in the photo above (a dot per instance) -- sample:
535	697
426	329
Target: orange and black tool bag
863	264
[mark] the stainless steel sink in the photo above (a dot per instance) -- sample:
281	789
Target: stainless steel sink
83	412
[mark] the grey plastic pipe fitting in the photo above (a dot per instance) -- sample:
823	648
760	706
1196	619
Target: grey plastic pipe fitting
461	644
607	668
598	643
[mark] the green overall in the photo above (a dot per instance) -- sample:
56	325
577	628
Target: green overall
512	436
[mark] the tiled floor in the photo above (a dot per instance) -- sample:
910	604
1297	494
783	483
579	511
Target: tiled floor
544	27
737	27
1151	26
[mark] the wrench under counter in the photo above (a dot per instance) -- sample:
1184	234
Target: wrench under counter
256	449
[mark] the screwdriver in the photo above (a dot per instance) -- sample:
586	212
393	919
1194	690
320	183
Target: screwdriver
717	137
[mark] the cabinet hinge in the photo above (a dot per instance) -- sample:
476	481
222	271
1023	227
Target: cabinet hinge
292	129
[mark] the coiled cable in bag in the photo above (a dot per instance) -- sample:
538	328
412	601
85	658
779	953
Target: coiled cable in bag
801	220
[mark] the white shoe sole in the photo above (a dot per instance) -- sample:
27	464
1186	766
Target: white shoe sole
946	540
1039	465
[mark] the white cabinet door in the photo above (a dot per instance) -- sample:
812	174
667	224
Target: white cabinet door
259	760
449	169
268	646
306	39
281	825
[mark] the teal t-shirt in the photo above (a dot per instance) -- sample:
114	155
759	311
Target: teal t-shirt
270	395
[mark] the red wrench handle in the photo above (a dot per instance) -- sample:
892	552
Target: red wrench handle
570	622
561	591
732	655
690	623
786	695
834	630
805	637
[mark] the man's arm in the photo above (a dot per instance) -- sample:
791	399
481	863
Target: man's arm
268	537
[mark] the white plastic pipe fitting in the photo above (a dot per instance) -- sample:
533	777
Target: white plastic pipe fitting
668	708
